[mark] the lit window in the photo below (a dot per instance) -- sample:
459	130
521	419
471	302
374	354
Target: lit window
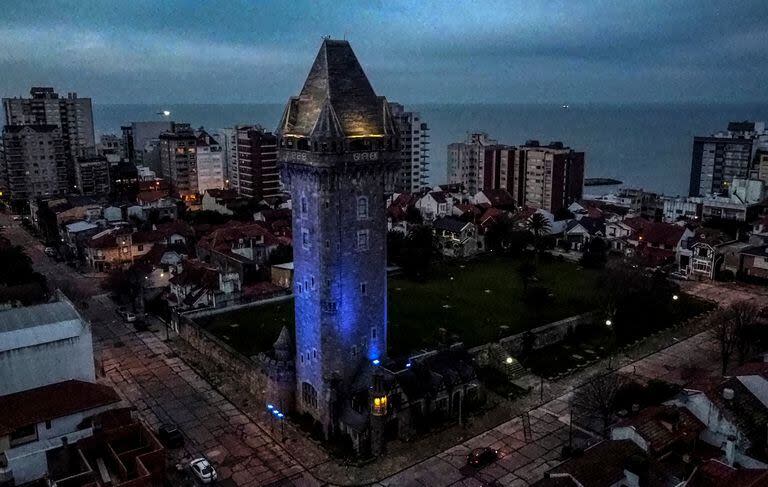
380	406
362	208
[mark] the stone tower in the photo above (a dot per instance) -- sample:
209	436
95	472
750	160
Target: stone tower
338	153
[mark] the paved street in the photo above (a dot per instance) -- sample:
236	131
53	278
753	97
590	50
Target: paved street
163	388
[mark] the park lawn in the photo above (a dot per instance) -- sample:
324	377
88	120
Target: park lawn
483	295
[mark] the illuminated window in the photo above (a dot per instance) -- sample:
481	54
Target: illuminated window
362	208
380	406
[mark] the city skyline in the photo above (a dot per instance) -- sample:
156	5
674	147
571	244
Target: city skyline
240	52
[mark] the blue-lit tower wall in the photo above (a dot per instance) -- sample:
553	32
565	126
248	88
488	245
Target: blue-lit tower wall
338	153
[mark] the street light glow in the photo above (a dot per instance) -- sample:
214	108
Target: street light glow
509	360
608	322
675	297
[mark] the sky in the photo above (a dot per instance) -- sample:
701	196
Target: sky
418	51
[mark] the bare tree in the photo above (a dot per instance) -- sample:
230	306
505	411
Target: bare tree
737	329
597	399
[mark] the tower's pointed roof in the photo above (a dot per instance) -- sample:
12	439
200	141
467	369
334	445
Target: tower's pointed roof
337	100
283	341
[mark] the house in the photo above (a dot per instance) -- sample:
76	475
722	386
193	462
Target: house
753	263
497	198
659	243
760	227
277	221
76	233
435	204
735	412
154	202
37	420
117	247
676	209
201	285
488	219
239	247
715	473
223	201
578	233
456	238
660	429
399	206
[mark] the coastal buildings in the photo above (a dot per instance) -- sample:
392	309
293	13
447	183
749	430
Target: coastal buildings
72	115
178	162
92	176
210	163
466	160
554	175
34	161
549	177
414	136
253	171
717	159
141	142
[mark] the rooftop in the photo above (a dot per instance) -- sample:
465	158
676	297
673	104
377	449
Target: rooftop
337	99
51	402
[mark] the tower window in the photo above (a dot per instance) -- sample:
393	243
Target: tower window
305	238
327	244
303	205
362	208
362	240
374	333
308	394
363	289
354	350
314	353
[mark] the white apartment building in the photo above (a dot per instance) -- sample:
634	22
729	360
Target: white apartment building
210	163
414	137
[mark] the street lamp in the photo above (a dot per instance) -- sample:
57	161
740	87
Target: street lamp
675	297
608	323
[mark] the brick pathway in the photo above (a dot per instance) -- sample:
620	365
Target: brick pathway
163	388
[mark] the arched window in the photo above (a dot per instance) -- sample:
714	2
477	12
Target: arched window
362	207
308	394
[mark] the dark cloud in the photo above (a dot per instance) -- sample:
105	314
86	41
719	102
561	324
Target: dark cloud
249	51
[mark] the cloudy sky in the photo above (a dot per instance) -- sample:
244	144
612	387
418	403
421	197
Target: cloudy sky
176	51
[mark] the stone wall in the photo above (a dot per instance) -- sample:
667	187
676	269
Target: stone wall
248	372
541	337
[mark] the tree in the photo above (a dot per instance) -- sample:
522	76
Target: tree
596	254
418	252
127	283
499	234
395	244
539	226
597	399
738	331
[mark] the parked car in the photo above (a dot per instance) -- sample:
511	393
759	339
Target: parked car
482	457
126	315
203	470
16	218
50	251
170	436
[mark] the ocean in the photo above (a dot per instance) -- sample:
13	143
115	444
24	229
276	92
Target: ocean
644	145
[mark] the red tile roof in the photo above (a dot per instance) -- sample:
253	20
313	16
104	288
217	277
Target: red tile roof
663	426
602	464
714	473
151	196
51	402
499	197
196	273
664	234
222	238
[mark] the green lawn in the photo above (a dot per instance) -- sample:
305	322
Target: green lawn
482	296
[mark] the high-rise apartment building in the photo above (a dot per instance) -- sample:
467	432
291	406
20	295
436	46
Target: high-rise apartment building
226	138
718	159
210	163
92	175
542	176
254	172
414	136
466	159
34	161
553	175
72	115
178	162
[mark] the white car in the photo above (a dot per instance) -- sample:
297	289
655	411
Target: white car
203	470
